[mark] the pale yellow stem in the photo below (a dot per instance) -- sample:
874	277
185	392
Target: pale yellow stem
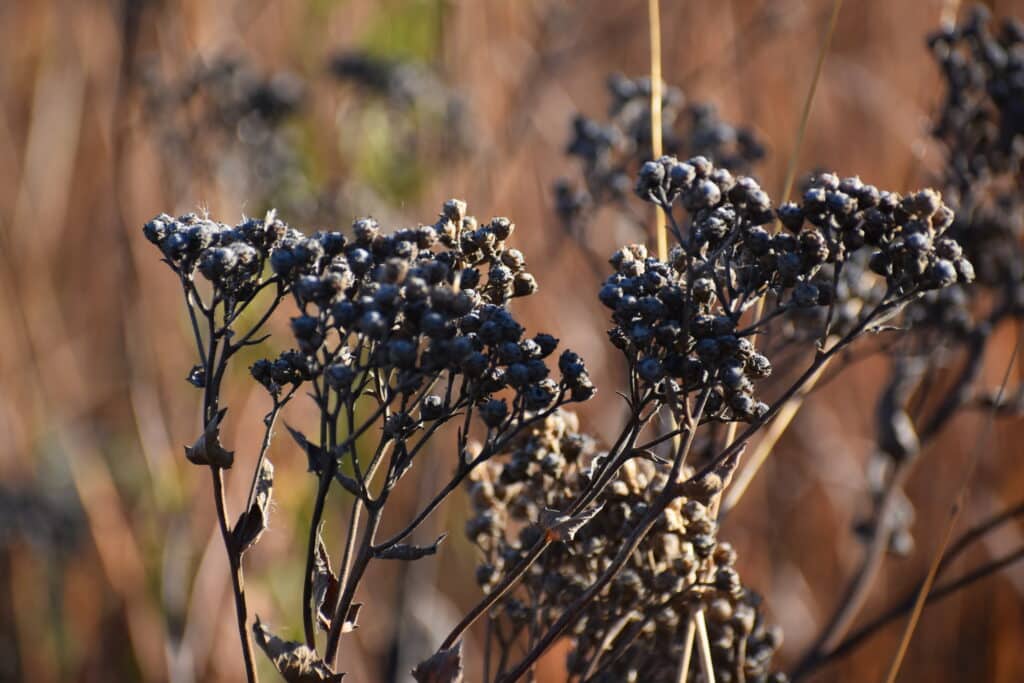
654	21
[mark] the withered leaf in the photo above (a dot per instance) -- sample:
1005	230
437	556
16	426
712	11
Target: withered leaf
650	456
253	522
315	455
596	463
403	551
325	584
207	450
348	483
296	662
444	666
561	527
402	461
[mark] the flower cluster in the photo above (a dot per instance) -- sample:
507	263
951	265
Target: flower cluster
416	302
611	153
414	323
980	125
682	319
634	630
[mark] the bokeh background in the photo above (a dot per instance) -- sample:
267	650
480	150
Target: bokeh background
111	112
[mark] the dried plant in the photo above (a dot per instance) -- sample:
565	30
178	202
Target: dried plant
613	546
396	335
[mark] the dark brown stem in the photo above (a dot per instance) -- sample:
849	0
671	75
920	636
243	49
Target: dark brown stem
496	593
573	611
861	635
237	581
860	586
362	561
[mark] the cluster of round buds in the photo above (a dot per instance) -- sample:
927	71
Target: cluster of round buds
729	254
981	125
289	370
232	258
679	567
419	302
416	95
907	234
611	153
981	118
678	339
237	98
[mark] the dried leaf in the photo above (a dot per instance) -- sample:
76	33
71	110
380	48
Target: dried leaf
596	463
207	450
650	456
444	666
253	522
560	527
348	483
296	662
315	455
897	437
402	551
325	585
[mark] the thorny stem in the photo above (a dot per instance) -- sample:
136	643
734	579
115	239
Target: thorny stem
463	470
573	611
323	486
671	490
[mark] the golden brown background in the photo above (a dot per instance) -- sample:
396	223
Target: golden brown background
110	567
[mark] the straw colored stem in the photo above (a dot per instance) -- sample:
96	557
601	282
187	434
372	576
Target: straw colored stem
654	21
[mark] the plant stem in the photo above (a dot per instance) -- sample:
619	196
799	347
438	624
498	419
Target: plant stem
237	580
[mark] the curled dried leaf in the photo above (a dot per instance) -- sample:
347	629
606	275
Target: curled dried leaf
296	662
596	463
325	584
253	522
403	551
444	666
315	455
562	527
348	483
207	450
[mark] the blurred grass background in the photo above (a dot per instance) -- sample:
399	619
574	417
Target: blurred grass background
110	564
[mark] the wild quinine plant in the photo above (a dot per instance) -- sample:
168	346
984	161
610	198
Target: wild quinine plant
618	547
395	336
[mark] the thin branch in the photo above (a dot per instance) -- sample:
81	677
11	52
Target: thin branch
958	505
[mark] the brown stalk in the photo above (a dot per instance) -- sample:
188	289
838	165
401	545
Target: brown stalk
958	505
787	188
